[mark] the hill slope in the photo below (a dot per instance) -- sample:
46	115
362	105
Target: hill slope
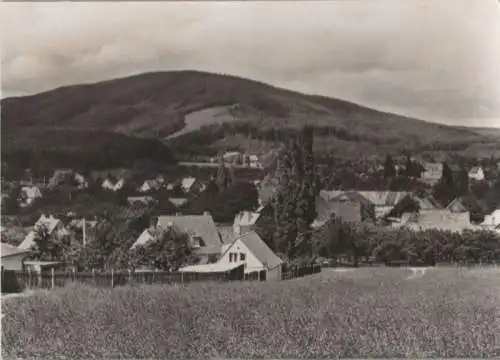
158	105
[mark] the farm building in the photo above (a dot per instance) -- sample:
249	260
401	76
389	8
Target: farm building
476	173
53	226
256	255
204	236
12	257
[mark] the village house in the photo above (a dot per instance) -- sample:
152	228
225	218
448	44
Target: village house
62	175
463	204
201	229
28	195
54	227
112	185
12	257
491	221
440	219
432	173
249	250
232	157
192	185
476	173
150	185
254	162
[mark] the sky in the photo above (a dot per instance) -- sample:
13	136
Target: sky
434	60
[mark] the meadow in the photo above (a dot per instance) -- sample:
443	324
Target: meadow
380	312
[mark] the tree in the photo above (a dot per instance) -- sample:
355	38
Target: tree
294	203
224	177
462	182
389	168
52	247
169	250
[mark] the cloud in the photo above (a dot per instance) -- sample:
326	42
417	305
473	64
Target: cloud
438	60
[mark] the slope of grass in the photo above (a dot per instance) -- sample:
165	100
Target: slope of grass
362	313
155	104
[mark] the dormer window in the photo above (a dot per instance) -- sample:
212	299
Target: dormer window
197	242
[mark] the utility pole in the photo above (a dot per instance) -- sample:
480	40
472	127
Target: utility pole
84	232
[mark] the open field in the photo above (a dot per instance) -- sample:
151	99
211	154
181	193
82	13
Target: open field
380	312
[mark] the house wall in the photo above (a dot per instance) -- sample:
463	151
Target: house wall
252	263
14	262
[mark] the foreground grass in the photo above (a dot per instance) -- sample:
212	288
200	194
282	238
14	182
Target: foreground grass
361	313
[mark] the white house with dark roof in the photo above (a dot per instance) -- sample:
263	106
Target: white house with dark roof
251	250
476	173
54	226
248	250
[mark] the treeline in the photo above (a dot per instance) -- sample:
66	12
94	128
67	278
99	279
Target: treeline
198	141
362	243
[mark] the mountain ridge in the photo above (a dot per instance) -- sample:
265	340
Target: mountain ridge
155	105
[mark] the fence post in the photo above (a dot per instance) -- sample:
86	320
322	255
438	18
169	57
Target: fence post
29	278
129	277
52	278
112	279
74	274
93	276
182	277
40	284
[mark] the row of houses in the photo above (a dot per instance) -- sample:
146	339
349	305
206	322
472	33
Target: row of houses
433	172
218	248
30	193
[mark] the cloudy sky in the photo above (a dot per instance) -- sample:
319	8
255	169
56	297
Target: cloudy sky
436	60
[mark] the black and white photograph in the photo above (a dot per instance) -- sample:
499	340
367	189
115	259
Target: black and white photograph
250	179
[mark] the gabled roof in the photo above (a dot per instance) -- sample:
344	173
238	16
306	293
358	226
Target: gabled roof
384	198
351	196
178	201
9	250
31	191
475	170
187	182
259	249
442	219
246	218
330	194
201	225
226	233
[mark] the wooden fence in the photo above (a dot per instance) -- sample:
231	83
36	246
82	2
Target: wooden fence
53	279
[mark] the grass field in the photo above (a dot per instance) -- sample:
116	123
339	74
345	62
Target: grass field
378	312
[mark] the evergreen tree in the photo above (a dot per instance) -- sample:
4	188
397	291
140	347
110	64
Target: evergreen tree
295	199
447	176
462	182
224	177
389	167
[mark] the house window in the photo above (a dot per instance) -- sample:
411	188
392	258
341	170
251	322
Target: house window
242	257
230	257
198	242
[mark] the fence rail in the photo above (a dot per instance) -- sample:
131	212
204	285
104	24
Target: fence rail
53	279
